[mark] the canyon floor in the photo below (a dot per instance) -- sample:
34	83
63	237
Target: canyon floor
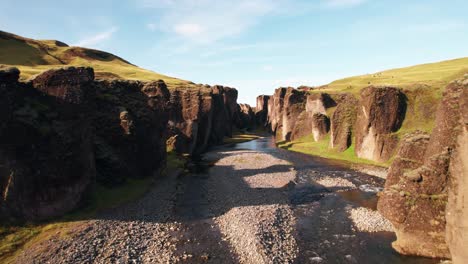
244	203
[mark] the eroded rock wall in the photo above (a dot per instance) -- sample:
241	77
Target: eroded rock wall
130	124
342	122
46	143
245	118
293	105
201	117
275	111
63	132
261	110
380	113
426	171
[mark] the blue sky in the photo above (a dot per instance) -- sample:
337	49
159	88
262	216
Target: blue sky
253	45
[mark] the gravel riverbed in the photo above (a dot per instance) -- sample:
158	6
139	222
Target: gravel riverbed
248	203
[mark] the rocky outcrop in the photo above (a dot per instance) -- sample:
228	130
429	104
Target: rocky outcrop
245	118
275	112
320	126
46	143
319	103
342	122
293	106
201	117
381	112
261	110
130	126
314	119
425	172
457	205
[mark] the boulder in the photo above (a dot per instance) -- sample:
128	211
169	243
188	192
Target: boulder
381	112
424	174
342	122
46	145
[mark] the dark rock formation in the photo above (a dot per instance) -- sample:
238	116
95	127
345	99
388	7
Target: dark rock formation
342	122
275	112
46	153
420	180
245	117
261	110
224	107
314	119
380	113
130	124
320	126
66	83
200	117
293	106
319	103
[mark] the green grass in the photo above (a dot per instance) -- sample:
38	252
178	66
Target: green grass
432	75
35	56
321	148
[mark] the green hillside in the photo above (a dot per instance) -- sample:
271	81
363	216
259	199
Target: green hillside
435	75
35	56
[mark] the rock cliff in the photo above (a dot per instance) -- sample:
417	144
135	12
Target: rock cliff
381	112
424	192
63	132
46	142
201	117
261	110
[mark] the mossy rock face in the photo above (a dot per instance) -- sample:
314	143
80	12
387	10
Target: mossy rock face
381	113
47	160
342	122
430	172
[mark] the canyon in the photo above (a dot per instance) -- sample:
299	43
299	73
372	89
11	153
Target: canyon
398	171
423	196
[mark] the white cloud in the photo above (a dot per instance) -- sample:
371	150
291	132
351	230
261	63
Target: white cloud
152	26
267	68
343	3
206	21
96	39
189	30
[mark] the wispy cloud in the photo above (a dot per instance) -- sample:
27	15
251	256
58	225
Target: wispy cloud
152	26
206	21
437	27
96	39
343	3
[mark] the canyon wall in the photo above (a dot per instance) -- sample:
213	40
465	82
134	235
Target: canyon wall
426	187
370	120
63	132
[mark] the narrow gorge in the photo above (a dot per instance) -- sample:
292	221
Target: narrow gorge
105	162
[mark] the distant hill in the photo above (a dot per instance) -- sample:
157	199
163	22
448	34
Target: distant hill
435	75
34	56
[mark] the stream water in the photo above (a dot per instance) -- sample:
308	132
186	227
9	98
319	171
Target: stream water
325	233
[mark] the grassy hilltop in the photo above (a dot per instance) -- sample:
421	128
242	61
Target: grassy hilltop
35	56
431	75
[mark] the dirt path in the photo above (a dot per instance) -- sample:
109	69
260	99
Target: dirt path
250	203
